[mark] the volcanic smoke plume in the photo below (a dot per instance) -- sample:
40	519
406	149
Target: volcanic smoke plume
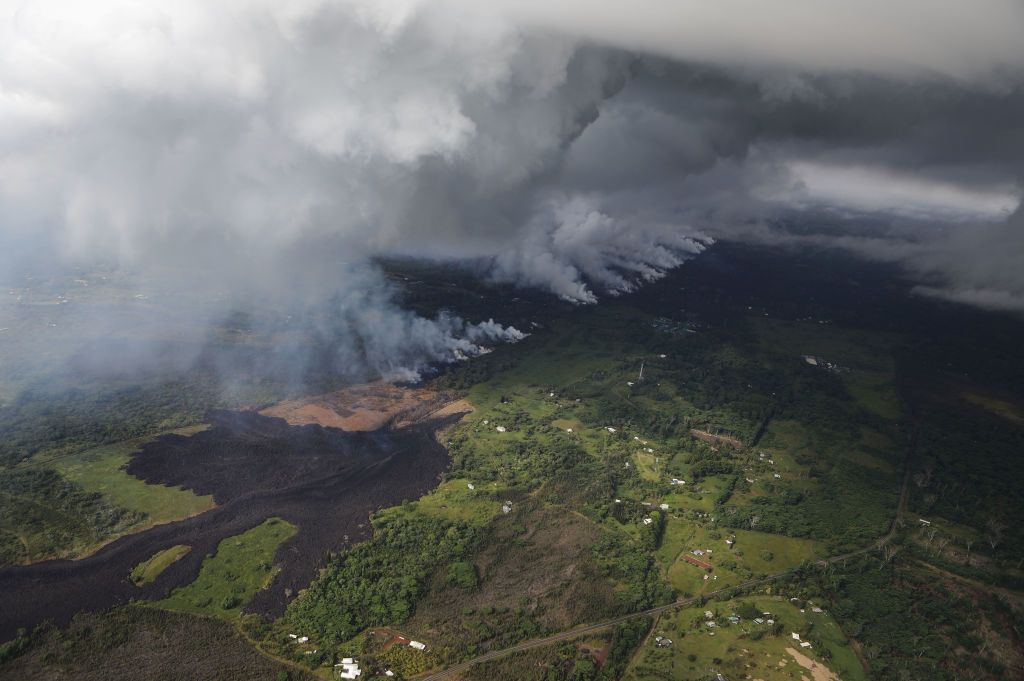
269	149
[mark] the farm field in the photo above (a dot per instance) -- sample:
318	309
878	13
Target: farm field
703	646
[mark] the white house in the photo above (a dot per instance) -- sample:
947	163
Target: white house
417	645
348	668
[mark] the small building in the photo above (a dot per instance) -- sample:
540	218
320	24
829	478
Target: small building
805	644
796	636
610	429
500	429
348	669
470	485
506	507
663	507
302	639
709	615
417	645
648	521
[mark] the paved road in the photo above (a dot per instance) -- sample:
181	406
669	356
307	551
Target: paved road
681	603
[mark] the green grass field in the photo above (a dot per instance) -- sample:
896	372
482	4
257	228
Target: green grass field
454	501
148	570
242	566
753	554
102	470
746	649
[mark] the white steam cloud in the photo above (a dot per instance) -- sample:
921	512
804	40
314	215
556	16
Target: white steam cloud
581	148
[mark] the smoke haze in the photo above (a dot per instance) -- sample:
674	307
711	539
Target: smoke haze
264	149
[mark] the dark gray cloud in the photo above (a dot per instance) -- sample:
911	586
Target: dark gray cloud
575	147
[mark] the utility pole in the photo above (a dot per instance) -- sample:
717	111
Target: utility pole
641	376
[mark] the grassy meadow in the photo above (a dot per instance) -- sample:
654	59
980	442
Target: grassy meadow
242	565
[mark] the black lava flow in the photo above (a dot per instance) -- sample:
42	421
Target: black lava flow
325	481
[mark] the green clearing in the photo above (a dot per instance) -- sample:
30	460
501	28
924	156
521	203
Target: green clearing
648	466
455	502
148	570
102	470
745	649
43	515
242	565
753	554
875	391
866	358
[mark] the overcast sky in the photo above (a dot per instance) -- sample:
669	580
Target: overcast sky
578	147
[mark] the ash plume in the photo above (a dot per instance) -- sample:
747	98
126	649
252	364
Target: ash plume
270	151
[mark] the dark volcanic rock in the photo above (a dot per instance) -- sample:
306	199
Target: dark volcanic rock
323	480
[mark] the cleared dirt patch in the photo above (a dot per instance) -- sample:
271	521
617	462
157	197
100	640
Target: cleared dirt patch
359	408
711	438
1011	411
819	672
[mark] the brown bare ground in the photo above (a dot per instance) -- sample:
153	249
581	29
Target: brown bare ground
818	671
537	558
363	407
712	438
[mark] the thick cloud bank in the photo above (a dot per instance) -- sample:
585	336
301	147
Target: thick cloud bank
582	148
